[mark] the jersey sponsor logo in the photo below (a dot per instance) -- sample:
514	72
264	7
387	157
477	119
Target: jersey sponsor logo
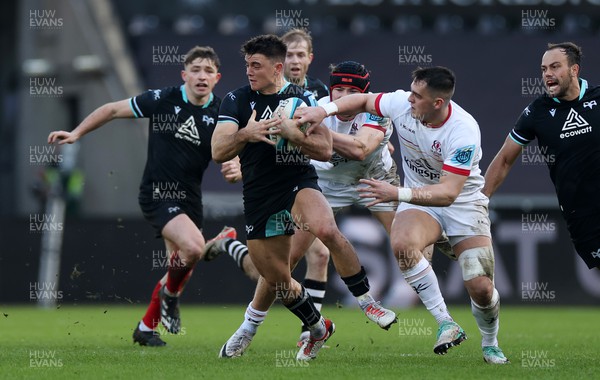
595	254
574	120
575	125
375	118
188	131
590	104
266	114
422	168
207	120
231	96
353	128
249	228
173	209
526	111
553	112
156	94
177	109
436	147
464	155
252	104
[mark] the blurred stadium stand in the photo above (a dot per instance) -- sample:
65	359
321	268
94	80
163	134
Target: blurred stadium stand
97	51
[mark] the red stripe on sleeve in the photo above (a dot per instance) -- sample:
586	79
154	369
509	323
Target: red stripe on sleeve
374	126
377	100
458	171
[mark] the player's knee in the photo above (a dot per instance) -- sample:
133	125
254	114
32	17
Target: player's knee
318	256
191	251
328	234
477	265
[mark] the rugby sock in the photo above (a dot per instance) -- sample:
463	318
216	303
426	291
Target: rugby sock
252	319
358	284
304	308
488	320
237	251
316	289
152	317
177	273
423	280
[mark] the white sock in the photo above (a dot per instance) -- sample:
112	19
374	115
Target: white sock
143	327
252	319
488	320
318	330
423	280
365	300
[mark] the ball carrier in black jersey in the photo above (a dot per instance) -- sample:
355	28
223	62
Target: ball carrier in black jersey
566	122
281	193
182	121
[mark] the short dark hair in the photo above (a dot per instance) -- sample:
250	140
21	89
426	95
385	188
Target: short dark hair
572	51
297	35
204	52
268	45
440	80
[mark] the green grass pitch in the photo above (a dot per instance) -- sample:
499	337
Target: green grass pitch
94	342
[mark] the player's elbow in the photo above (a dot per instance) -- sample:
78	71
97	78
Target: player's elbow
323	155
218	156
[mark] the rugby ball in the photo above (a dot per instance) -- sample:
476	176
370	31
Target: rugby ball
286	110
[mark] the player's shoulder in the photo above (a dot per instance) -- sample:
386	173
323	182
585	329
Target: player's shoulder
312	82
592	93
162	93
237	94
461	116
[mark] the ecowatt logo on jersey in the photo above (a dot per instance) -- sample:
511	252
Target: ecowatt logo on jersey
575	125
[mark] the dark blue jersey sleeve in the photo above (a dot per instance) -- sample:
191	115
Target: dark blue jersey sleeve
523	133
145	104
229	111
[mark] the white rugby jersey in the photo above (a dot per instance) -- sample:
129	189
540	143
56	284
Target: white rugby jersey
455	146
375	165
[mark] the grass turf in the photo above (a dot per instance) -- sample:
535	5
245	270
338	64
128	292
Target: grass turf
95	342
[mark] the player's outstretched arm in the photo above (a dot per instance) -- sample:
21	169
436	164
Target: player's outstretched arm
351	104
500	166
96	119
441	194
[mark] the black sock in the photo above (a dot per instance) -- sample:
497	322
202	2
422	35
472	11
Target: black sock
304	308
358	284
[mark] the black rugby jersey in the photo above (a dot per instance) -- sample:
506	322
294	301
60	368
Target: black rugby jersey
568	136
264	168
179	147
318	88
